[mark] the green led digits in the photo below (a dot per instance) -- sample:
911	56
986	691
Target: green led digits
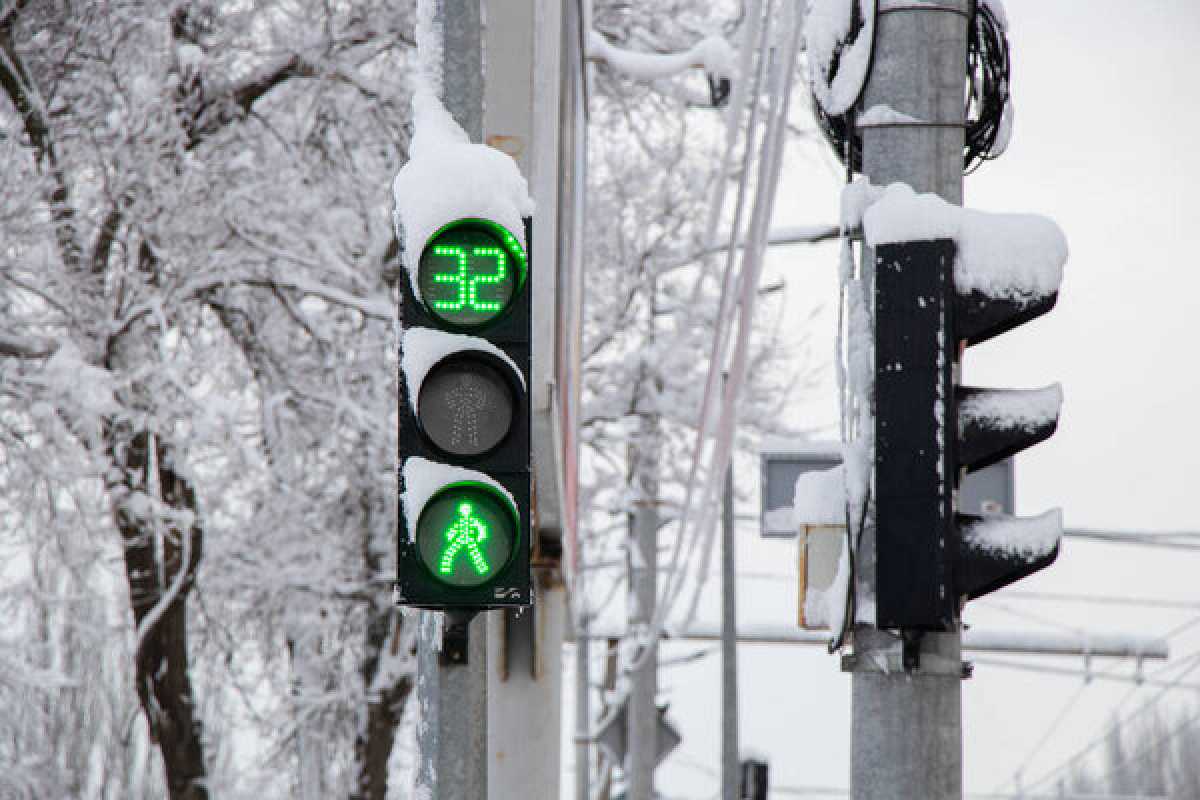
470	273
467	532
468	282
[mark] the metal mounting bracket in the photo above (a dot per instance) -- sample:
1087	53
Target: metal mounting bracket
455	636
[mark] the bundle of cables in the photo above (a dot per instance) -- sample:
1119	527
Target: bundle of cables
987	91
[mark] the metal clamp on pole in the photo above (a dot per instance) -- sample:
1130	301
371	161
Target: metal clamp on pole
887	653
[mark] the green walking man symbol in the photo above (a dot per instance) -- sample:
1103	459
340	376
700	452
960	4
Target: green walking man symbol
467	532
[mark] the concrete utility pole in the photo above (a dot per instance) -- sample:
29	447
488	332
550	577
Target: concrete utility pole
729	671
907	725
452	651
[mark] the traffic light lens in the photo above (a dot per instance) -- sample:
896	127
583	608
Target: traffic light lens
466	534
470	272
465	405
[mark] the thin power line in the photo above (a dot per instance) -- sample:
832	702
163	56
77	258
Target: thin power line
1150	743
1054	726
1086	674
1193	659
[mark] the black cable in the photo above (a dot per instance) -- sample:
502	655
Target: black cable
987	83
835	128
988	73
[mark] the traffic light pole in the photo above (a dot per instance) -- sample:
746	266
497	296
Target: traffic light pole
907	723
452	648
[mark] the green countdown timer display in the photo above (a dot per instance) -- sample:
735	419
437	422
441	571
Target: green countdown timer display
470	273
466	534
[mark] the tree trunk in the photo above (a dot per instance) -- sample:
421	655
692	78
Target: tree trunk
388	655
161	560
387	693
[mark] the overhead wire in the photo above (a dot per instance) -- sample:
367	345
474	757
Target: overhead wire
1138	684
1055	724
761	31
1086	674
1193	660
1151	743
752	262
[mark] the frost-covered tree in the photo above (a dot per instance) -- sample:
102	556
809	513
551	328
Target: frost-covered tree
655	153
196	393
1154	756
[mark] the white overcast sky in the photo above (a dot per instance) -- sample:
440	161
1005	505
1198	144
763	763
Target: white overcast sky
1105	143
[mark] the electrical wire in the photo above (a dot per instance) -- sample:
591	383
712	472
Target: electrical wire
673	584
752	260
836	127
988	74
1193	660
1032	617
724	319
988	77
1149	744
1055	724
1111	675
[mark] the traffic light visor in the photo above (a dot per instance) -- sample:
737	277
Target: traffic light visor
467	533
470	273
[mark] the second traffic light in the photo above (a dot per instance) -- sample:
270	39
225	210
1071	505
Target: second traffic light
464	420
932	300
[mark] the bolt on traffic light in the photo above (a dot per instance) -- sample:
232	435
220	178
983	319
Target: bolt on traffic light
464	421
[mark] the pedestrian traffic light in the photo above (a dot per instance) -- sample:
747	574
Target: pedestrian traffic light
930	432
464	420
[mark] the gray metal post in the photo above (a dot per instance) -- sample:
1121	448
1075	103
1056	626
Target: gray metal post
452	695
452	698
907	726
461	24
643	586
729	671
643	714
583	710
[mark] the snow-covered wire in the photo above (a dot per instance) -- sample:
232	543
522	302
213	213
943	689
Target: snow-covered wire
751	270
757	32
749	47
688	531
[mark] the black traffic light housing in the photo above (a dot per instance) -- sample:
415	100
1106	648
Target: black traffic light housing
453	449
930	432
